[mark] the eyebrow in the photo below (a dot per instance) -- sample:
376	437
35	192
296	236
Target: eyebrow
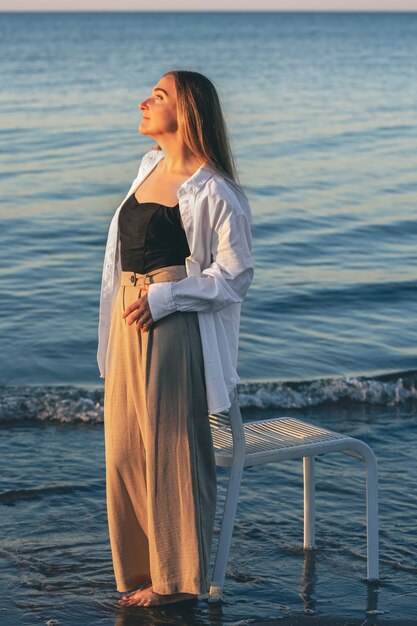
160	89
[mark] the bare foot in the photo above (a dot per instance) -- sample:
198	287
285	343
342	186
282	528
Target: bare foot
134	594
147	597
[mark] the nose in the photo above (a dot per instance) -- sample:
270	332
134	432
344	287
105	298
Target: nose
143	105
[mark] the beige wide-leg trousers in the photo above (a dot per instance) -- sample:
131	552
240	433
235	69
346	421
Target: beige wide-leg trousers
160	464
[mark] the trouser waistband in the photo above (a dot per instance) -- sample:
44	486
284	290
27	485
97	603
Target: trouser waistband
163	274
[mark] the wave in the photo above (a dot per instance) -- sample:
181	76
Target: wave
70	404
387	390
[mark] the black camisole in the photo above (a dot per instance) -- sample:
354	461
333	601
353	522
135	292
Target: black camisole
151	236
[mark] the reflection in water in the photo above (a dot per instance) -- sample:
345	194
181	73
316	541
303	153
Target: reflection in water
309	580
308	583
171	615
199	614
372	603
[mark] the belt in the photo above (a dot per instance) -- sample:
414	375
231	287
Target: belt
163	274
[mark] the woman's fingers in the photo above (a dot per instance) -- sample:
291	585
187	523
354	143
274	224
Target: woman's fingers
144	325
140	313
144	319
136	308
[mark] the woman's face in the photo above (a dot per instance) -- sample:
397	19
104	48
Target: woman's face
160	109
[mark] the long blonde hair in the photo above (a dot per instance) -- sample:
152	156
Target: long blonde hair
201	119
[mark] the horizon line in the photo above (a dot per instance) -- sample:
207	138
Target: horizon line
209	11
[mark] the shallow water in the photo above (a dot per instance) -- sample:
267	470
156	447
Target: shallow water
55	557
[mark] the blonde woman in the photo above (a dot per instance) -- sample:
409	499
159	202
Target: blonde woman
177	267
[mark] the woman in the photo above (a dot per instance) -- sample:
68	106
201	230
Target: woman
177	267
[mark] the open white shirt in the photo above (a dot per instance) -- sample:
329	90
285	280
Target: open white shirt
217	222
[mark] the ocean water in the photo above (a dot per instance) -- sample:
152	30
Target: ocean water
322	114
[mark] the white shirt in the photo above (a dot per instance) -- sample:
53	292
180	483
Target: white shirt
216	217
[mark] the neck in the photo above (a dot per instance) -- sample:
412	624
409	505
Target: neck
178	158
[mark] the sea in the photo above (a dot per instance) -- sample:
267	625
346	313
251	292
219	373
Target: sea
322	115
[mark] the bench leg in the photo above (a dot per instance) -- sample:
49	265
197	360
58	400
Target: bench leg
360	449
372	516
309	502
225	536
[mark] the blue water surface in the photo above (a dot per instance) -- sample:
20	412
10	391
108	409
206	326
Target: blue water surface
321	109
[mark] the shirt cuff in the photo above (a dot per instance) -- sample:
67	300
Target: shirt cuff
160	300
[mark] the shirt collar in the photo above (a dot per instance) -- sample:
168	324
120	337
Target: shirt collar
193	183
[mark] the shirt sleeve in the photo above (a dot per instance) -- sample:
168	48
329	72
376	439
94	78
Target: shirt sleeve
226	281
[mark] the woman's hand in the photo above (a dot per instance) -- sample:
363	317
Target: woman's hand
140	313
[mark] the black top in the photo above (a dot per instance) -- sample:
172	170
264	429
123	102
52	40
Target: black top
151	236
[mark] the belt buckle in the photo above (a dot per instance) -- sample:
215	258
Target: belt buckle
146	280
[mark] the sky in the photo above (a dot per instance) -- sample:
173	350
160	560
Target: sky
213	5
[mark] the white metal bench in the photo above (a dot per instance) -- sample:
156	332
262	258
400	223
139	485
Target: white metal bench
238	445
